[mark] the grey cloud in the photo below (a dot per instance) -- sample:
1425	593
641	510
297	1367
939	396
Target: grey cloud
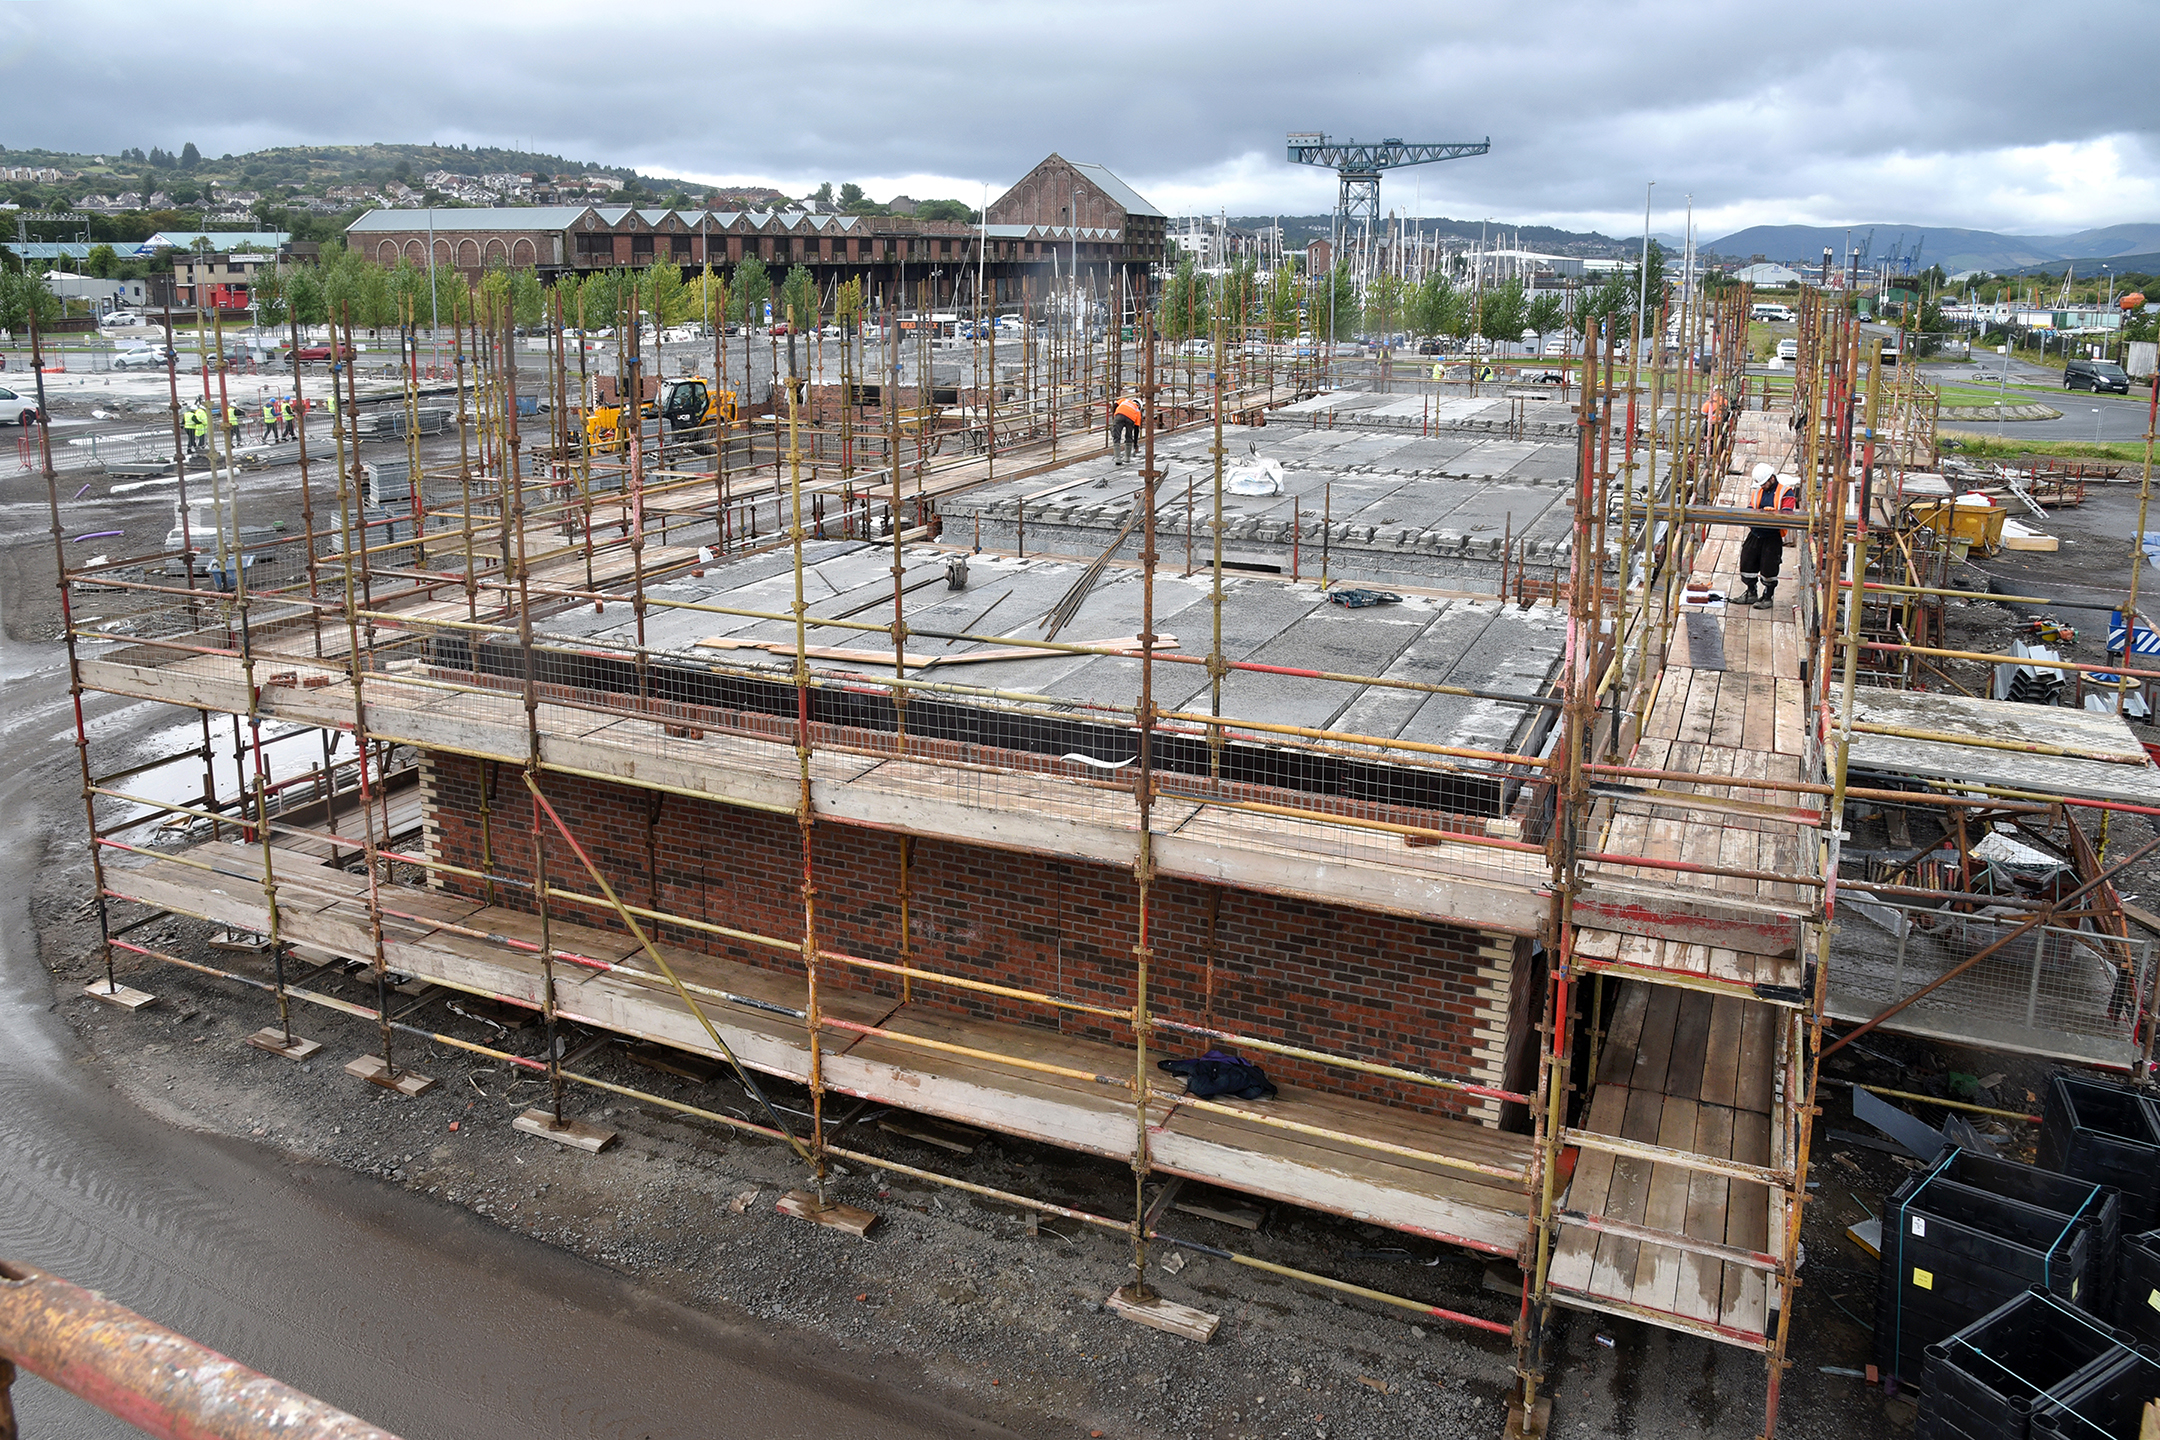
1776	114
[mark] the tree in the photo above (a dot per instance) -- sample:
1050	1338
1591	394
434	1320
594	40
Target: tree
304	293
528	297
408	283
1384	299
848	303
1335	308
1185	297
824	193
955	210
190	157
662	292
799	299
851	195
1502	311
1651	296
752	286
1545	315
1285	288
102	261
22	292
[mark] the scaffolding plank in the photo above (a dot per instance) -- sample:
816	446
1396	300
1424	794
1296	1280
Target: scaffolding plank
1699	1291
1657	1268
1745	1292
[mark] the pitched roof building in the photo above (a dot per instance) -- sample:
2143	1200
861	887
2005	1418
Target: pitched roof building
1119	236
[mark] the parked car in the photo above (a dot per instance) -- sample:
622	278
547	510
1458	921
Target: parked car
2098	376
149	357
314	354
16	409
1788	349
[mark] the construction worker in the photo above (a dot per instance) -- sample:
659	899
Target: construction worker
197	421
330	406
232	425
1763	551
270	420
289	412
1125	422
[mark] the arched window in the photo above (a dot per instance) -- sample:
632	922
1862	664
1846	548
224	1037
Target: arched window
521	253
415	253
468	255
386	253
495	251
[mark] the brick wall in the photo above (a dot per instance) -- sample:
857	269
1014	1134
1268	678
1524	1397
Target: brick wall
1374	987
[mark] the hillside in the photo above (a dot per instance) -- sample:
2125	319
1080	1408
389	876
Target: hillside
1953	249
1299	230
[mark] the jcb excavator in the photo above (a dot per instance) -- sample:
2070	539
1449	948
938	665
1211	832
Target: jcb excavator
690	403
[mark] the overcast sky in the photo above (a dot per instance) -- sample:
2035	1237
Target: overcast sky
2021	118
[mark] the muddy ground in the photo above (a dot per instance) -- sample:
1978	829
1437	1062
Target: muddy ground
961	1295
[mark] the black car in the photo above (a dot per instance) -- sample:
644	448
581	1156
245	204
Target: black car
2098	376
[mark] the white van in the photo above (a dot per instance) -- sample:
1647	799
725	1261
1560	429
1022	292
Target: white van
1788	349
1780	313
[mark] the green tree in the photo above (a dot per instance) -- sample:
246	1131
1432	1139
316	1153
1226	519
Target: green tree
1435	307
1545	315
1501	312
190	157
1384	301
408	284
662	293
848	303
955	210
22	292
451	303
824	193
528	297
799	299
1335	309
752	286
1185	298
851	195
1285	287
1653	296
102	261
304	293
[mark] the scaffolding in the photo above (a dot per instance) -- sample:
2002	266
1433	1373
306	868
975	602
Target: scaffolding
1663	849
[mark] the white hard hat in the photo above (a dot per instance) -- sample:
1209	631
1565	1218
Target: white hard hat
1763	471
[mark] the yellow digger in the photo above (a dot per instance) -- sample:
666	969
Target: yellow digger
688	404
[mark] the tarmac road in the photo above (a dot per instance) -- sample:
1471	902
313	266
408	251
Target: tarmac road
2118	417
413	1314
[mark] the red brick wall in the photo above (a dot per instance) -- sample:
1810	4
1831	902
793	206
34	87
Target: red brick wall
1374	987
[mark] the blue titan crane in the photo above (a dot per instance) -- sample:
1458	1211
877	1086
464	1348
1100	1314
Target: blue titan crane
1359	166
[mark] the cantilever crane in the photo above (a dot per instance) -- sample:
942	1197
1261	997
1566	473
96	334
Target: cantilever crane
1359	167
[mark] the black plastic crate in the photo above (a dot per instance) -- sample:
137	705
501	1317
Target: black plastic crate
1988	1378
2091	1206
2103	1401
2108	1134
2137	1288
1952	1253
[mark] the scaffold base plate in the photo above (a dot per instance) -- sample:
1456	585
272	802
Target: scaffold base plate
1530	1426
126	997
804	1206
1167	1315
576	1134
406	1082
272	1039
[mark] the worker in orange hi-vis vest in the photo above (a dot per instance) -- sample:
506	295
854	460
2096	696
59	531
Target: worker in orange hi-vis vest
1763	552
1125	423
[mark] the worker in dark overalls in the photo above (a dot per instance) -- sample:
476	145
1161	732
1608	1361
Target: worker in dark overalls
1763	551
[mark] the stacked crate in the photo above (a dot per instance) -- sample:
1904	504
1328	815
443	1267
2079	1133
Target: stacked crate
1992	1379
1952	1252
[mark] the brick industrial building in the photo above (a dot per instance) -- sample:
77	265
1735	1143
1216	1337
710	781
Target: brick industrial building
1029	234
